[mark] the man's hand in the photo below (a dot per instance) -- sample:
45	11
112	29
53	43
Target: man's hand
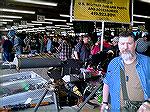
145	107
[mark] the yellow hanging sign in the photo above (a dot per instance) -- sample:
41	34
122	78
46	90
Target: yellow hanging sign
102	10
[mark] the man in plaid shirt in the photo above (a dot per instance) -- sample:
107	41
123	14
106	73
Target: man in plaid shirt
65	50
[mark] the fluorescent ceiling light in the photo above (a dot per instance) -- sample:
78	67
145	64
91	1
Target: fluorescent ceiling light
6	16
139	22
31	24
134	28
3	22
62	25
142	16
52	27
37	2
71	31
56	20
7	29
147	1
29	29
69	23
32	31
65	28
20	27
6	20
42	28
17	11
55	27
21	30
63	15
23	26
48	26
35	28
42	22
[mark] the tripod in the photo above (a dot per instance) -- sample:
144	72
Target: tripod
54	73
51	88
89	97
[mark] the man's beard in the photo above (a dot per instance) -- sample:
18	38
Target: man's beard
127	55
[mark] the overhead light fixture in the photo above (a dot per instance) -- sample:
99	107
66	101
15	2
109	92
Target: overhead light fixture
6	16
37	2
52	27
139	22
42	28
62	25
42	22
3	22
6	20
7	29
64	15
69	24
142	16
23	26
17	11
39	30
65	28
56	20
21	30
71	31
29	29
35	28
147	1
31	24
32	31
134	28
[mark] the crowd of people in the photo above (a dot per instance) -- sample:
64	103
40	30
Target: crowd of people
125	56
80	47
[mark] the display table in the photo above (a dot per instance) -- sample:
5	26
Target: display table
22	88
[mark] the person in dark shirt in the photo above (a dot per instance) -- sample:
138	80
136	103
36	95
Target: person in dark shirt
82	49
7	49
114	46
33	45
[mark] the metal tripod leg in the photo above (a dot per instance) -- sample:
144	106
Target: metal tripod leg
89	97
54	96
55	101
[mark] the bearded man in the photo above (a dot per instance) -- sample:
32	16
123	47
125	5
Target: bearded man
127	79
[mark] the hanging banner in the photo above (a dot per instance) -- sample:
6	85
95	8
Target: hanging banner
102	10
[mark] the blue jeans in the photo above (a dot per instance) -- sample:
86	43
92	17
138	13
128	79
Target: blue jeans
6	56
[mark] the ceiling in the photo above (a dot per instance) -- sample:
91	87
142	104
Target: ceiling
52	12
63	7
